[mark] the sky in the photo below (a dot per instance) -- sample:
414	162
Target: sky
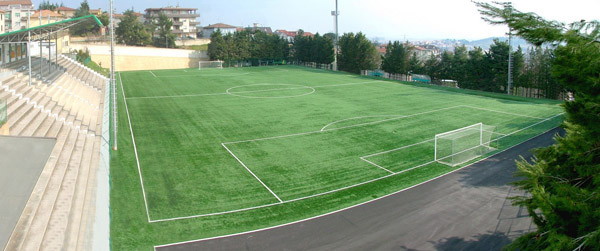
378	19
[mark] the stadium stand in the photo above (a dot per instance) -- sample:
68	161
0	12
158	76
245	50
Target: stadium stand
66	105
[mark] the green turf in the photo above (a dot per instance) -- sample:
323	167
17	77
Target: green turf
301	131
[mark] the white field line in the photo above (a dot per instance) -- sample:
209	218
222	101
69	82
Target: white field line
248	169
205	75
343	209
137	159
509	113
363	159
353	118
266	90
179	96
396	149
339	128
527	127
348	187
153	74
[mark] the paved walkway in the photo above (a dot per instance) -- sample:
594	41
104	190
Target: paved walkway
21	162
465	210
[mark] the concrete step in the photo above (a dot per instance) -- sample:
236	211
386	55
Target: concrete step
83	199
55	233
28	223
34	119
39	225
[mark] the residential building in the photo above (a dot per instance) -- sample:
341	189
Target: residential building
382	48
14	10
424	52
43	17
96	12
66	11
184	20
263	29
224	28
1	21
289	35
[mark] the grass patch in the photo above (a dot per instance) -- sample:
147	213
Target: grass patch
97	68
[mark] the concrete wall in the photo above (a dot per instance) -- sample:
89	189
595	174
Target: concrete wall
188	42
129	58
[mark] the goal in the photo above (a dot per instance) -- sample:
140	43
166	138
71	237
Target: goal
210	64
462	145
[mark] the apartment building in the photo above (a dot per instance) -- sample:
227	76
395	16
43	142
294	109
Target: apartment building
14	11
184	20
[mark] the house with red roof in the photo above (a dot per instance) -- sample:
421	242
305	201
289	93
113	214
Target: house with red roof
66	11
224	28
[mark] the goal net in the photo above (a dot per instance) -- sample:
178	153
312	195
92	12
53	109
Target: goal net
461	145
210	64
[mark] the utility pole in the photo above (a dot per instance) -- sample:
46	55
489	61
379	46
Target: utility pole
336	13
112	76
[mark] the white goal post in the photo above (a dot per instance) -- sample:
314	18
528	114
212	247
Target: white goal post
464	144
210	64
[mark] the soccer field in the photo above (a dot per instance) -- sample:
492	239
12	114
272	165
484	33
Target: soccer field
218	151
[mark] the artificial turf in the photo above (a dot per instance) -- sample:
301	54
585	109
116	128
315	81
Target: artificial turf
231	150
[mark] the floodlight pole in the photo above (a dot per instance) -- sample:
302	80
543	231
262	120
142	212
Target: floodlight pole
510	59
336	14
28	43
112	76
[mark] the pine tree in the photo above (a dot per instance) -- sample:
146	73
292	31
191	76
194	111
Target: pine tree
563	182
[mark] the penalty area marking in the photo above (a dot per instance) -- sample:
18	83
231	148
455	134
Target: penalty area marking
353	206
357	184
150	73
244	165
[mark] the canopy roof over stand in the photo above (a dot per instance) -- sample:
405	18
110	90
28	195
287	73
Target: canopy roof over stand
41	33
38	33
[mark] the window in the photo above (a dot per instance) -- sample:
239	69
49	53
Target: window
17	14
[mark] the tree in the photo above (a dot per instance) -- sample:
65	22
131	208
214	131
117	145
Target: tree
216	48
356	53
46	5
563	181
496	60
85	27
414	64
321	50
131	31
477	72
165	38
302	47
396	58
431	67
104	19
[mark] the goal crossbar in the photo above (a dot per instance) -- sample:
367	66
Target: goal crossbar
463	144
210	64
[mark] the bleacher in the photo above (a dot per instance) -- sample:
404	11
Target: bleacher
67	104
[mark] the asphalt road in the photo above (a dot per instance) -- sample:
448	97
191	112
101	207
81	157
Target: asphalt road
465	210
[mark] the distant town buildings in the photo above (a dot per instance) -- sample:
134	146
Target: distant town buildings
184	20
13	11
289	35
66	11
224	28
255	27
